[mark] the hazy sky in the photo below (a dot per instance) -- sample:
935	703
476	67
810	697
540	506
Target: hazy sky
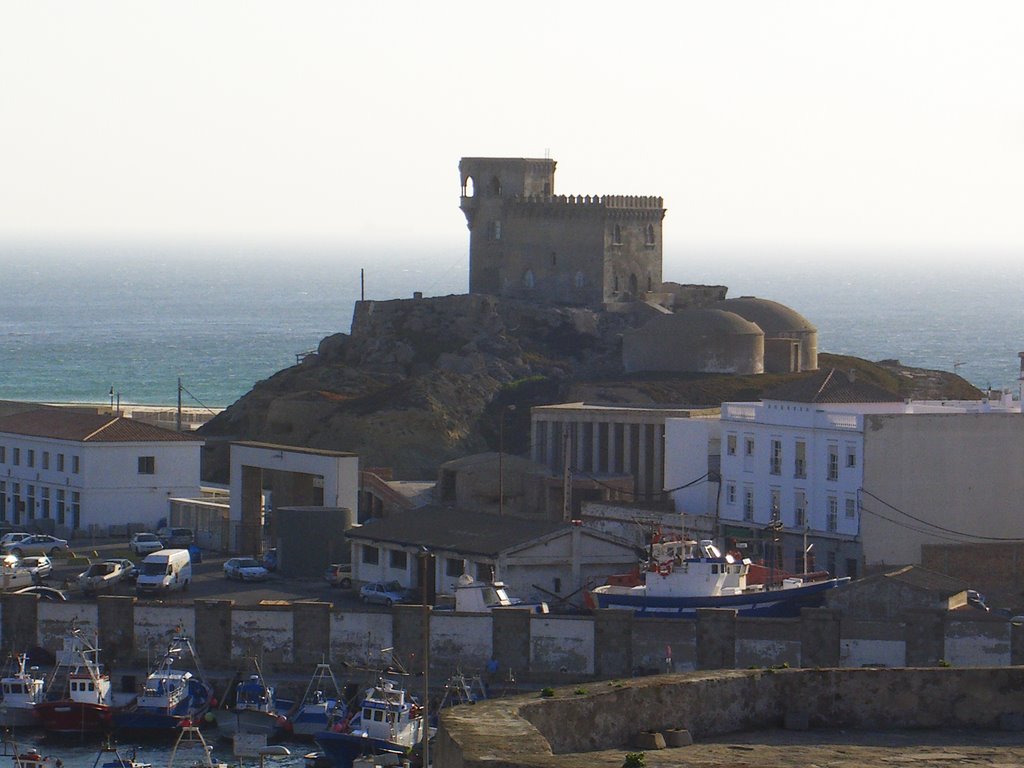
860	126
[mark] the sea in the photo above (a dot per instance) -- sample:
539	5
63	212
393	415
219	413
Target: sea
128	322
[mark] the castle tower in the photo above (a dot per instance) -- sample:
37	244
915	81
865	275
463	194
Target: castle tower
526	242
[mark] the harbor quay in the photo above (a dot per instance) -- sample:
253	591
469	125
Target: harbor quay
506	644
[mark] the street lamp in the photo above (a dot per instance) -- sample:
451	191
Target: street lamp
501	454
424	556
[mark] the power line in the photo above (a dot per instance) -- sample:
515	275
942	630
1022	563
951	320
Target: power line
939	527
589	476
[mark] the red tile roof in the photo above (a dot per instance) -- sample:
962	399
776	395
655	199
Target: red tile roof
66	424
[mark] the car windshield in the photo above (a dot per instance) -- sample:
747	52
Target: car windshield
146	537
247	563
154	569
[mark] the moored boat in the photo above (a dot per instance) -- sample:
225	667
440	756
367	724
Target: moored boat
256	710
21	691
172	696
321	705
388	721
684	575
80	698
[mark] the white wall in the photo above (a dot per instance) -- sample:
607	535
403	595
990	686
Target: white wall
688	443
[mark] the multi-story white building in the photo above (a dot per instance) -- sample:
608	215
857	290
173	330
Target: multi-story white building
71	470
849	468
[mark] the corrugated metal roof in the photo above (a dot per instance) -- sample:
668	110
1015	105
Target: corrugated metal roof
65	424
455	530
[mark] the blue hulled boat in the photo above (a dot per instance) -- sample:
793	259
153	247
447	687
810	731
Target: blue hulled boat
682	576
172	697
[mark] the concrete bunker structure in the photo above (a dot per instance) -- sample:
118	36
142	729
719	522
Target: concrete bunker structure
790	341
695	341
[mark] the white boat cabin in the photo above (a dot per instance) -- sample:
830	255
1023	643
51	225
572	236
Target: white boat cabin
686	568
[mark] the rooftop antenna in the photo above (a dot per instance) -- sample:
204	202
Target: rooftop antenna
956	366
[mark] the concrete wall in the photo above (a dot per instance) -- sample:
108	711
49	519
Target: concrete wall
539	649
957	471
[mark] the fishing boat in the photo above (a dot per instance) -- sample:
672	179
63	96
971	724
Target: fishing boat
321	705
109	757
256	710
22	689
190	742
172	696
682	576
388	721
80	698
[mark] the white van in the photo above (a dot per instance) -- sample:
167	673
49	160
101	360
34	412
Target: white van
165	570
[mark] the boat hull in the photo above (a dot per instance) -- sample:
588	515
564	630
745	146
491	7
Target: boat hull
230	722
74	717
342	749
780	603
17	717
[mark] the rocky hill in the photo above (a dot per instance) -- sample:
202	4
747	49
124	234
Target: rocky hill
420	381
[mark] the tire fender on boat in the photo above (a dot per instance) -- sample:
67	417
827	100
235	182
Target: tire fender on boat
665	569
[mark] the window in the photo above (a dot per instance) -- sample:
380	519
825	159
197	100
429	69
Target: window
371	555
748	504
528	279
75	465
3	501
851	567
851	507
578	280
60	462
399	559
3	454
833	463
833	513
494	230
748	446
147	465
799	509
851	457
31	458
46	503
31	501
616	235
46	459
649	237
800	459
60	506
16	456
776	458
454	567
730	493
76	510
775	501
730	445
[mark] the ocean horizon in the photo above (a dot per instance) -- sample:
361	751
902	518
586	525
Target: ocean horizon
75	323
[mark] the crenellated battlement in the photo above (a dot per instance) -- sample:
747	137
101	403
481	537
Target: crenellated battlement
635	202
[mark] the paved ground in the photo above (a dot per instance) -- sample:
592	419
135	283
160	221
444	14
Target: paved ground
209	582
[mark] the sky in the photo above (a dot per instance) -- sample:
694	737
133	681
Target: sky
864	127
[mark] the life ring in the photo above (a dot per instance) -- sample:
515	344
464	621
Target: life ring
665	569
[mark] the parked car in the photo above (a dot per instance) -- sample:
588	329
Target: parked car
39	565
175	538
129	570
245	569
339	575
44	592
13	538
384	593
38	544
144	543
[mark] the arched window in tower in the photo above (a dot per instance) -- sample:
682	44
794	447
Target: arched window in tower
467	187
615	283
632	285
528	281
578	280
616	235
494	230
650	235
496	187
648	282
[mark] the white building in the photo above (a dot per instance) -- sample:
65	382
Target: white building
73	470
865	476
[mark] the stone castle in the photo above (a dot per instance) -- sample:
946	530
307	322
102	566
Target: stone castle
605	252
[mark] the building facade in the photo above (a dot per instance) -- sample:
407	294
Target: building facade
527	242
861	475
70	471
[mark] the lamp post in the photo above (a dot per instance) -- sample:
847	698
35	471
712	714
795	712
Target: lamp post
425	620
501	457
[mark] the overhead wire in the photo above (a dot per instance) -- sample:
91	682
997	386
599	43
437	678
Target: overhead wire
935	525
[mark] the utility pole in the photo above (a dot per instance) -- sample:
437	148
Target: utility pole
566	473
179	403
